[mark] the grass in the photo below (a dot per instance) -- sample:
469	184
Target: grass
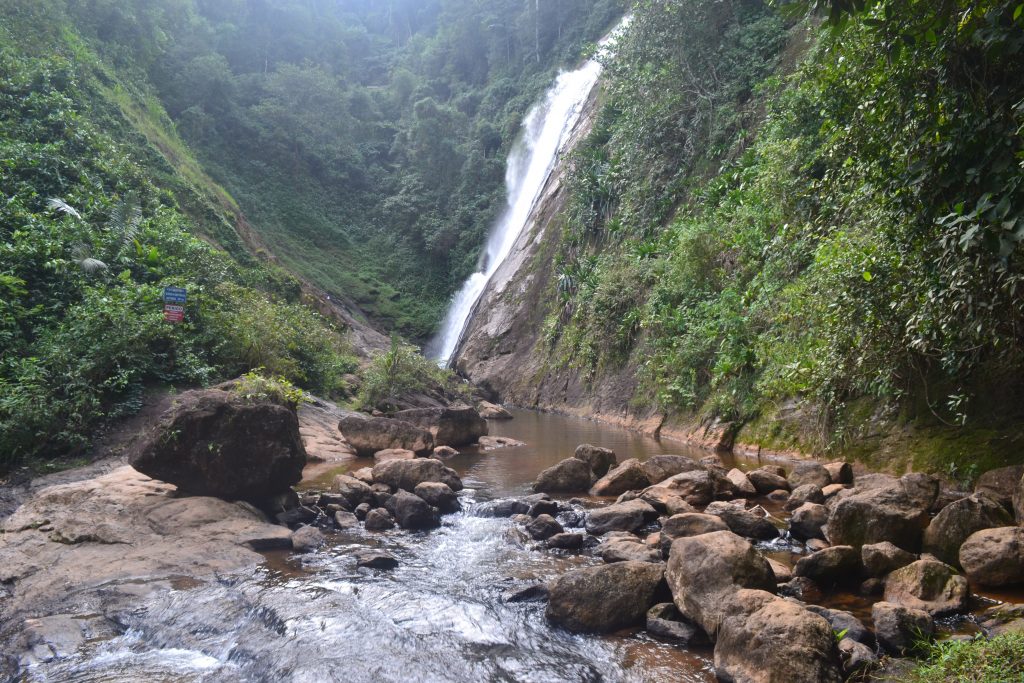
996	660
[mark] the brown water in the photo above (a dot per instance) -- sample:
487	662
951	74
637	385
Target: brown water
438	617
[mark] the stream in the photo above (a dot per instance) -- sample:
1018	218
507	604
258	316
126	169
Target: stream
440	616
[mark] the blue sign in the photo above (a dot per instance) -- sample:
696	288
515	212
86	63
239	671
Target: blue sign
174	295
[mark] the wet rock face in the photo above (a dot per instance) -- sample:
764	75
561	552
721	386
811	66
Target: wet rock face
458	425
438	495
780	643
604	598
929	586
882	509
408	474
412	512
600	459
957	521
994	557
704	572
568	476
367	435
214	442
543	527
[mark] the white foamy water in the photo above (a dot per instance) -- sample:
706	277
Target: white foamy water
546	130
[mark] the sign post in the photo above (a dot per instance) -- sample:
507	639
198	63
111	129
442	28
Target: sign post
174	304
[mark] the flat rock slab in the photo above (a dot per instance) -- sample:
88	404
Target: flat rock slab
73	538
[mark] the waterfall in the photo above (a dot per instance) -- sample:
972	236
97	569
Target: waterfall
545	132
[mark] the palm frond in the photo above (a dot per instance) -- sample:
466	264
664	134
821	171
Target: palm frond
63	207
125	219
91	265
82	255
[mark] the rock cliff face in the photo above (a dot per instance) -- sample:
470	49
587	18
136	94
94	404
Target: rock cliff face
502	349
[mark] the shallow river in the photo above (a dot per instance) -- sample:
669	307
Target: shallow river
438	617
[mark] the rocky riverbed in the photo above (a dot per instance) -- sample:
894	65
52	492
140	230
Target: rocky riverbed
654	567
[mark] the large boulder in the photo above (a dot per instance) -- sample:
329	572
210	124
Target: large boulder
696	487
438	495
994	557
623	548
1000	484
412	512
629	475
543	527
371	434
898	628
660	467
927	585
408	474
604	598
456	425
840	472
957	521
743	522
493	411
627	516
665	501
839	564
600	459
882	509
766	480
780	643
809	473
881	558
568	476
216	442
706	571
741	483
807	521
805	493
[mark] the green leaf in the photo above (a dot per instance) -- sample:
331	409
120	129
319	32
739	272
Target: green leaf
868	277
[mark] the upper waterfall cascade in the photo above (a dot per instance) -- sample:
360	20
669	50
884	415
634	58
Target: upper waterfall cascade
546	131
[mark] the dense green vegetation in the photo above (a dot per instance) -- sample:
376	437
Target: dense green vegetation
87	241
833	214
364	140
975	661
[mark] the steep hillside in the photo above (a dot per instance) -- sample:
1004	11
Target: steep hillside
777	232
365	141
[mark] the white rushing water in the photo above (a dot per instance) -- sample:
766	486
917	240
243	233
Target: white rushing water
546	130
